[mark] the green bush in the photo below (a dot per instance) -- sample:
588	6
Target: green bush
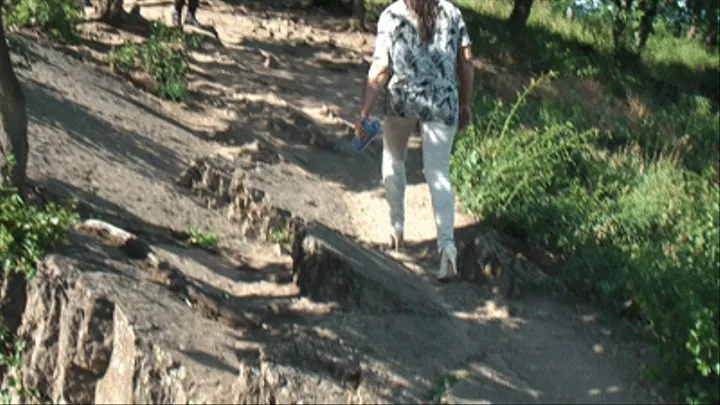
56	18
640	232
27	233
163	56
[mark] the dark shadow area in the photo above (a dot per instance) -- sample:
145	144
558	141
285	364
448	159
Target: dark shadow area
173	240
85	127
154	112
21	52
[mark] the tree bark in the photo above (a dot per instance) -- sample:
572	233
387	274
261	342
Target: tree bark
359	14
711	39
650	9
620	26
519	16
13	121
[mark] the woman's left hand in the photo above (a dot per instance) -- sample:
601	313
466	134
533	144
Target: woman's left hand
359	130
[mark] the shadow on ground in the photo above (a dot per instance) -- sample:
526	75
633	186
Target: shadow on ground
98	135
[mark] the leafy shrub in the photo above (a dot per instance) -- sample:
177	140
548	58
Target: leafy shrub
163	56
27	233
690	124
56	18
640	233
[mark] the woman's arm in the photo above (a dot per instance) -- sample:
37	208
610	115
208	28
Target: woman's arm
377	79
379	73
466	74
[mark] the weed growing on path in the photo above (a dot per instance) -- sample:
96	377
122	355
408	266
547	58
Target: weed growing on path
202	238
163	56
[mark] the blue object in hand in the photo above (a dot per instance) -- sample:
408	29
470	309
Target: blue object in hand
372	128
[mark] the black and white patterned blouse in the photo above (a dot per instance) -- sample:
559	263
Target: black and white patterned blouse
424	76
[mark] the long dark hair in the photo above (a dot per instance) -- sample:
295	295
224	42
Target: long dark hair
426	12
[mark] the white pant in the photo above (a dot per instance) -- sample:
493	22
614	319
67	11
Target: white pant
437	139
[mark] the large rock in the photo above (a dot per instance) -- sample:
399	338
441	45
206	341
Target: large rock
98	329
112	319
329	267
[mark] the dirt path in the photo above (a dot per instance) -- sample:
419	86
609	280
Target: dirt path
101	140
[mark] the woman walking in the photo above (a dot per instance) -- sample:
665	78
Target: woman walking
422	51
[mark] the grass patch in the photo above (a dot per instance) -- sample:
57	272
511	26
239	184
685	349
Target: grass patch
54	18
203	239
443	386
163	56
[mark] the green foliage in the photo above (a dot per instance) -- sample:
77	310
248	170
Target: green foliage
641	232
27	231
163	56
444	385
13	363
55	18
203	239
689	128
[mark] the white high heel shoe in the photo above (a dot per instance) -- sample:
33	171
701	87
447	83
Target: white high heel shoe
396	240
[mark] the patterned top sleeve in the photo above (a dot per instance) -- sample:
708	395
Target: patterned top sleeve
465	40
383	42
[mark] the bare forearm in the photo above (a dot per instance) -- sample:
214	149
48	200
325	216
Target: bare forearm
377	78
466	74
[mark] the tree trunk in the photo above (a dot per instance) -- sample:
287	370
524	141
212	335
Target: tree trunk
13	121
650	9
519	16
711	39
620	27
712	24
359	14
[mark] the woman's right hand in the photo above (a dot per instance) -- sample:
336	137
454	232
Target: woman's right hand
465	117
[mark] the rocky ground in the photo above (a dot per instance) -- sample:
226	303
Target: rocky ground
299	302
